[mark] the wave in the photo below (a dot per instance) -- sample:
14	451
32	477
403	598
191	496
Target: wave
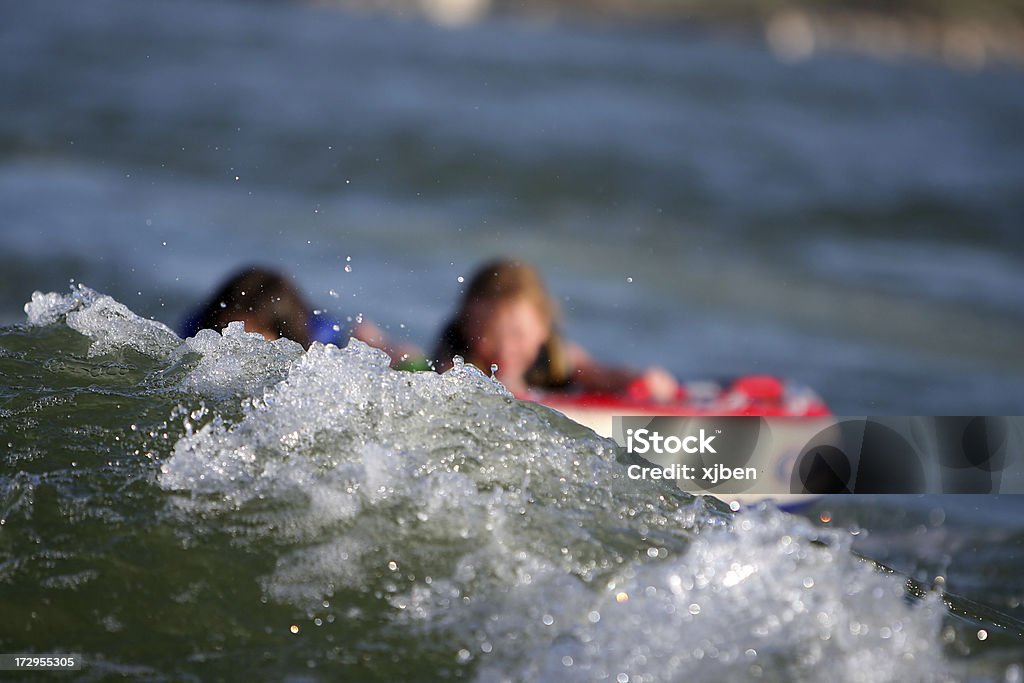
353	518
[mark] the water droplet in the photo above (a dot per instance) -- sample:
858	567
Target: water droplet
621	597
164	243
348	267
223	305
594	616
463	656
333	293
982	634
567	661
548	619
694	609
458	362
294	628
336	327
461	279
629	279
494	370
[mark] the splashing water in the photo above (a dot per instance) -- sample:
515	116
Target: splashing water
288	511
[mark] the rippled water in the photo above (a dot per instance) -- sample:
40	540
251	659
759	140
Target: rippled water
224	506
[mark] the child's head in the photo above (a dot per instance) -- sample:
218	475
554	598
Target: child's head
266	301
506	317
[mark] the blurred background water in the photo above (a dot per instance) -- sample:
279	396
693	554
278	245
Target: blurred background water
694	202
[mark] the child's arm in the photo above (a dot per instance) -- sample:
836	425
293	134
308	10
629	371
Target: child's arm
590	376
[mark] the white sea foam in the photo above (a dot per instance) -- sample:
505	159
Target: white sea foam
108	323
474	516
759	600
486	524
234	362
231	363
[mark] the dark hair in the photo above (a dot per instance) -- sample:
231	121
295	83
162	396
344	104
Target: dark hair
263	295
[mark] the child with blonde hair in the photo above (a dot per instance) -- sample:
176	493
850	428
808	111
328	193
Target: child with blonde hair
506	318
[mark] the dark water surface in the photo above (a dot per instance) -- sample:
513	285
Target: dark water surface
226	508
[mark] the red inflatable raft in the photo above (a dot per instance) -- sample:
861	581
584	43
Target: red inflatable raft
752	395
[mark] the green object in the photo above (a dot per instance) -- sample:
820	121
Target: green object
414	364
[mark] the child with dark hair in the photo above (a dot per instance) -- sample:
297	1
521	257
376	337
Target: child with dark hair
266	301
270	304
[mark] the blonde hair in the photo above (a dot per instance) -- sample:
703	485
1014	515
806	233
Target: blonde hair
495	283
504	280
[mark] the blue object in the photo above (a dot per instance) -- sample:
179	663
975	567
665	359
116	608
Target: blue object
321	328
328	331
